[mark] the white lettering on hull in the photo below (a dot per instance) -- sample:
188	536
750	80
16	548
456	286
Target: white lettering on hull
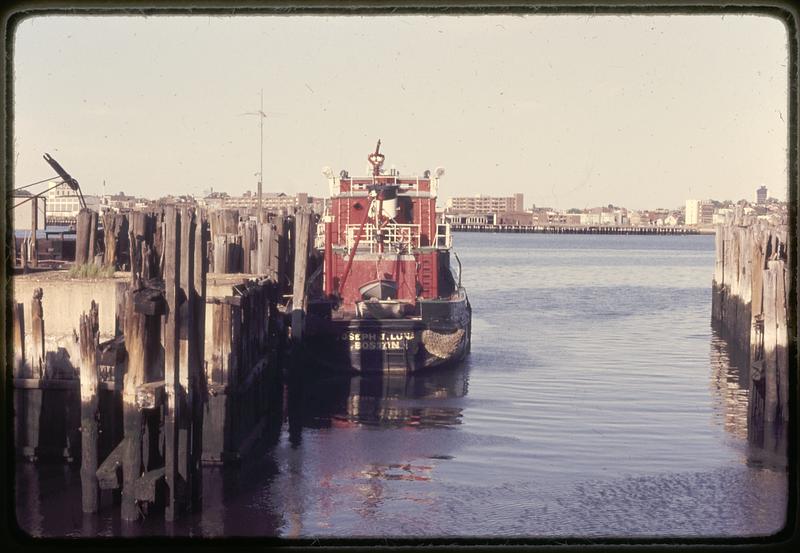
398	341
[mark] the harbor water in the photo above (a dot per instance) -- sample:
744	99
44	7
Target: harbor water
597	402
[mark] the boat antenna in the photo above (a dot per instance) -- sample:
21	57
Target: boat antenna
376	159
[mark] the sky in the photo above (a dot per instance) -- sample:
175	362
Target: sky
572	110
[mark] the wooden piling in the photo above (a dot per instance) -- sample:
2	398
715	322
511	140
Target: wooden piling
114	225
220	337
249	233
279	252
770	338
82	230
302	224
220	254
186	334
37	333
782	339
263	249
196	362
19	340
92	249
137	235
89	341
135	329
172	415
751	303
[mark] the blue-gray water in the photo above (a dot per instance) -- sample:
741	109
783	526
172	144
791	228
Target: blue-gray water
597	401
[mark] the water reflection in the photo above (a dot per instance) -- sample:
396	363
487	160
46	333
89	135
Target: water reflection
390	400
730	386
359	445
737	411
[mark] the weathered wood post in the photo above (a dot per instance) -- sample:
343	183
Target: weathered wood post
34	254
19	340
283	251
770	339
92	249
134	253
264	249
89	340
220	254
82	230
114	224
782	339
135	329
137	235
302	222
246	230
37	332
196	361
185	377
172	383
109	237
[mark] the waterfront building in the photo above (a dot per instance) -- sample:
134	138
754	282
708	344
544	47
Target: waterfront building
271	201
603	216
699	212
486	204
121	202
692	213
471	218
761	195
63	204
516	218
176	201
549	216
706	215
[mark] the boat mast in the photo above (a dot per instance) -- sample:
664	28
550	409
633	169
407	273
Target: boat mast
376	159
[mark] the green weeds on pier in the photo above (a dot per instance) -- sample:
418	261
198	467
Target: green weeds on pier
90	270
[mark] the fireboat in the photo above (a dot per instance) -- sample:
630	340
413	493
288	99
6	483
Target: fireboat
391	298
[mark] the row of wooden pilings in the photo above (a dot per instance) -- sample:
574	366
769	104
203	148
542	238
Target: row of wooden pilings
180	404
236	244
751	304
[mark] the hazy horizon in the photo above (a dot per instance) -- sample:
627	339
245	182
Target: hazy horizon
572	111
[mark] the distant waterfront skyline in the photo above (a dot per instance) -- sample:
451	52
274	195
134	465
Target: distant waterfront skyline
572	111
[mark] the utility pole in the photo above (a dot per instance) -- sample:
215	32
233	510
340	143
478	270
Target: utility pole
261	165
260	173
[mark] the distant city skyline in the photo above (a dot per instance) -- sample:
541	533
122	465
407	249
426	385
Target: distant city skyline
572	111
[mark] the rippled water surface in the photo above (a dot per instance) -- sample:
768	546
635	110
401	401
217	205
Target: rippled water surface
597	401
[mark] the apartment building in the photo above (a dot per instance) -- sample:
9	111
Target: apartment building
486	204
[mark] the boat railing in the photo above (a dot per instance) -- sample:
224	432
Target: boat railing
319	238
360	184
396	237
443	237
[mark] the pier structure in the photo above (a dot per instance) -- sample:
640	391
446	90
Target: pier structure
751	305
576	229
170	362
